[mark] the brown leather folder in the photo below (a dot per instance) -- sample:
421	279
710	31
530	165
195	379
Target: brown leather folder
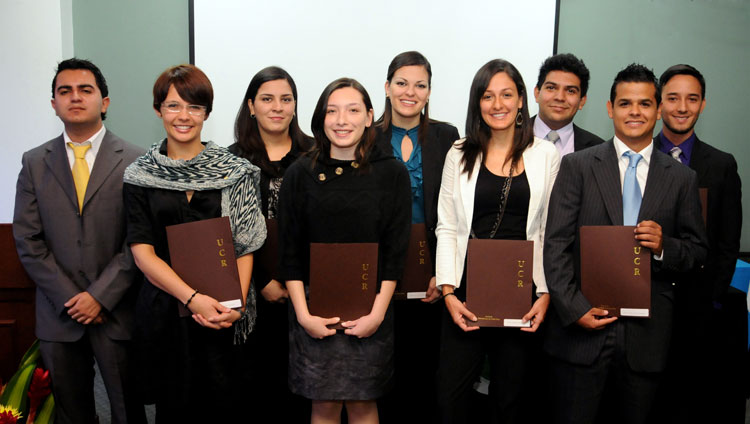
418	270
202	254
616	271
499	281
266	259
343	280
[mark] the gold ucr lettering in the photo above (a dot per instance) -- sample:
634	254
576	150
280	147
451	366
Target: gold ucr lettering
422	243
365	267
521	263
637	260
637	250
421	252
636	271
364	286
421	261
222	252
220	242
364	277
520	284
520	273
223	263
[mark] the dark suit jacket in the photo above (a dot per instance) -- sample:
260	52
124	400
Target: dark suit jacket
717	171
66	253
588	192
582	139
440	138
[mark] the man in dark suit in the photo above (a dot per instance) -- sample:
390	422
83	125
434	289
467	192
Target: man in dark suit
561	92
711	327
624	181
69	227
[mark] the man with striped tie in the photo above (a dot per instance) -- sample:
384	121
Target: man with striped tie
600	364
711	325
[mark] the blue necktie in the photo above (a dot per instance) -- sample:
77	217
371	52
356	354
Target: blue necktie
631	191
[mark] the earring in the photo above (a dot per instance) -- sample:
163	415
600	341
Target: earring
252	115
519	118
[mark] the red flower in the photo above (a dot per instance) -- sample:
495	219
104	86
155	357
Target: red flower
38	390
8	415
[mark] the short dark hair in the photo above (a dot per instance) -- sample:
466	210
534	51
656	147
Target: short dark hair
246	133
191	84
565	62
635	73
322	143
410	58
478	133
75	63
683	69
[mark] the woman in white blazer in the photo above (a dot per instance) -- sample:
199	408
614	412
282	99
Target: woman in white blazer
477	200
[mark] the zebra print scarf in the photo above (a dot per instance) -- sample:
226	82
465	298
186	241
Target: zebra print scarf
213	168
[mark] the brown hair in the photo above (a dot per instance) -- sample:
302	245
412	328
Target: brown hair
191	84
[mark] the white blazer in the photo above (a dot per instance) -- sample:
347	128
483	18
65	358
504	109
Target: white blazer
456	208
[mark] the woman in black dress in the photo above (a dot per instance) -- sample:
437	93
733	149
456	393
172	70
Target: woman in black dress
267	133
345	191
193	363
421	143
496	184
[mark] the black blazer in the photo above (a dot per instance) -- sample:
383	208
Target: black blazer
440	138
717	171
582	139
588	192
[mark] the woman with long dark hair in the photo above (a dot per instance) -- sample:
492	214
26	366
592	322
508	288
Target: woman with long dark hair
406	130
192	361
496	184
267	133
344	191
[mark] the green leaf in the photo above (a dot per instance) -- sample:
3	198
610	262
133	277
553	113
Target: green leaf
15	392
46	413
31	356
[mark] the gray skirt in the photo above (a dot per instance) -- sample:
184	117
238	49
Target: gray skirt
341	367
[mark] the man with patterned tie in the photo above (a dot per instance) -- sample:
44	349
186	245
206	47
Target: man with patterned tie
711	328
600	364
561	92
69	228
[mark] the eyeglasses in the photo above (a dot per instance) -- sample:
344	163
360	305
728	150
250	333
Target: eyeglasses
174	107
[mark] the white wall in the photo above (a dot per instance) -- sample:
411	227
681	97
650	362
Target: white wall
34	37
317	42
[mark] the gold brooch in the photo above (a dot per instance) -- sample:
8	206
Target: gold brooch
339	171
355	165
322	176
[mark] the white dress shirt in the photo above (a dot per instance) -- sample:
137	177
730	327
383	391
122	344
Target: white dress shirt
90	156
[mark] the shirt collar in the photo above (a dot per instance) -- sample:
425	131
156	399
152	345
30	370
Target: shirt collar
95	140
541	130
621	147
686	146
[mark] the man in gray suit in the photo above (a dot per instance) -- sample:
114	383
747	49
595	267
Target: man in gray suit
69	228
561	92
595	357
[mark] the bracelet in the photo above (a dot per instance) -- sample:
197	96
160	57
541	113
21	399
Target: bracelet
191	298
449	294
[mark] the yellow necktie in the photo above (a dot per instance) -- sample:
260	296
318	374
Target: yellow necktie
80	171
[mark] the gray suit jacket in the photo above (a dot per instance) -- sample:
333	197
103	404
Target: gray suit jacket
65	252
587	192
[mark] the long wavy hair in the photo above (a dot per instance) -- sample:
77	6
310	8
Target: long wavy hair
246	133
478	133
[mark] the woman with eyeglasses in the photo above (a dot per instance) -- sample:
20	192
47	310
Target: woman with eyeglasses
192	363
267	133
496	185
406	130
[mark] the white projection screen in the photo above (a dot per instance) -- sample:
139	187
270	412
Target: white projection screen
319	41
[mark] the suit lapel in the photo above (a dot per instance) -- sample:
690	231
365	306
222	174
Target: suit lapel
468	188
658	178
607	174
106	161
57	162
535	177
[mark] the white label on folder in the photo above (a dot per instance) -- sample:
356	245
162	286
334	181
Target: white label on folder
634	312
516	323
232	304
416	295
